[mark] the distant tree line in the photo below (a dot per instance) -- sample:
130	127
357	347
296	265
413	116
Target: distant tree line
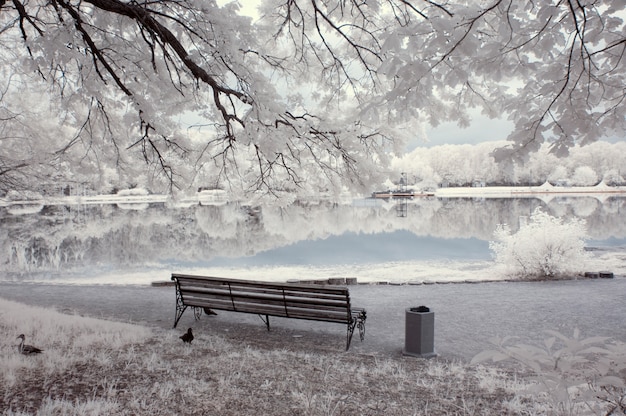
467	165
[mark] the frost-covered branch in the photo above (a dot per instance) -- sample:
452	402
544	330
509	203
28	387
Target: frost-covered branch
277	99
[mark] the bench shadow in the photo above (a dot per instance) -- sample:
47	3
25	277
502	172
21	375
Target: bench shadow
285	333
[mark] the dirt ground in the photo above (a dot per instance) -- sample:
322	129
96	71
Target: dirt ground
467	315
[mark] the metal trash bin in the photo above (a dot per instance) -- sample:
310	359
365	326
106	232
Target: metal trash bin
419	332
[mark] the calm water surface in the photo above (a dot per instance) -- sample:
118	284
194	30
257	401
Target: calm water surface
90	239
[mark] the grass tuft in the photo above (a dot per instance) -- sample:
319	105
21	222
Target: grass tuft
100	367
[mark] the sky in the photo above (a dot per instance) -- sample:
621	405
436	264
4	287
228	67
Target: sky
481	129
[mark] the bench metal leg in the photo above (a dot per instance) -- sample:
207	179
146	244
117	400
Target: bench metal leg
358	321
351	326
266	321
361	326
180	308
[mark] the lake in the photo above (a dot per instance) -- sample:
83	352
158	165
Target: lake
131	243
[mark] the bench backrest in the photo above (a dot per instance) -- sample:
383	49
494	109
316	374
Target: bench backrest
294	300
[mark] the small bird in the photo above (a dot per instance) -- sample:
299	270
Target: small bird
188	337
209	311
27	349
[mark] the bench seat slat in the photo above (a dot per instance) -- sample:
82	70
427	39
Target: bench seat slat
274	310
215	281
246	295
254	297
287	292
261	303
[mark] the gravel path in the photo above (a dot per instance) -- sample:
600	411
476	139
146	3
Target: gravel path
466	315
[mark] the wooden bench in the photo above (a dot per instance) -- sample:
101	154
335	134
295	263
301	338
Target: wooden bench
288	300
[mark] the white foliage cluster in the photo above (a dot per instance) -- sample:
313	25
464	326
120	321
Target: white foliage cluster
571	375
585	176
311	95
459	165
543	247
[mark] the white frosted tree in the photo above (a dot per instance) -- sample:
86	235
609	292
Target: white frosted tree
584	176
423	163
613	177
310	89
559	173
543	247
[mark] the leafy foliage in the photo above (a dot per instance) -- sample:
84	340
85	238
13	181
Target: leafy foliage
543	247
578	375
460	165
311	95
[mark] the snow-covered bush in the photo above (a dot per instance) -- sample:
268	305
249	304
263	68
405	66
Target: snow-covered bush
23	195
543	247
133	192
559	173
584	176
612	177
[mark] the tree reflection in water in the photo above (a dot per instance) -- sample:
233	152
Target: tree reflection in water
78	238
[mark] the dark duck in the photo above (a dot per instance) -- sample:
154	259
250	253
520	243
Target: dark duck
27	349
188	337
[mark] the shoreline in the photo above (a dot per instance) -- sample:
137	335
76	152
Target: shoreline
467	318
219	197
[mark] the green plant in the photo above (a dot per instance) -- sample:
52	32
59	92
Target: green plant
543	247
574	375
